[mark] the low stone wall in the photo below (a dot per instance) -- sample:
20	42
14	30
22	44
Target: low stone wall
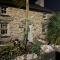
47	52
45	56
48	56
27	57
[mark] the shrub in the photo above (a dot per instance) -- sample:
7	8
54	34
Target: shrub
36	48
5	52
53	32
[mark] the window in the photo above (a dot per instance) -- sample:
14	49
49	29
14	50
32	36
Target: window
3	28
44	28
3	9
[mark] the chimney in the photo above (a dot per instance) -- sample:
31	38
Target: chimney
40	2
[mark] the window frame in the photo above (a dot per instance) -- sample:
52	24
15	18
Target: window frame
3	28
8	32
3	10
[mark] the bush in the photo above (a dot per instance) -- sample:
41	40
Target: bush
53	32
9	51
5	52
36	48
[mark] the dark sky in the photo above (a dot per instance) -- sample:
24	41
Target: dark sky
32	1
52	4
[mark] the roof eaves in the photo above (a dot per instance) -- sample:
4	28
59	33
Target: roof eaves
32	7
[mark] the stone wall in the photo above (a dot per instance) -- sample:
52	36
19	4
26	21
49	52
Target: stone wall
16	26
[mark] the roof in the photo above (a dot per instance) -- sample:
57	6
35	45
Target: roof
32	6
38	8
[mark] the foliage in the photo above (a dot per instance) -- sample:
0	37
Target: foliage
36	48
9	51
18	3
53	32
5	52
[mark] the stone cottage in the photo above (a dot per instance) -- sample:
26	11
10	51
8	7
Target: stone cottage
12	22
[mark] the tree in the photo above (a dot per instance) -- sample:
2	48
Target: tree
18	3
53	32
26	24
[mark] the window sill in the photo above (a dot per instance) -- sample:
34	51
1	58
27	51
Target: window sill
4	35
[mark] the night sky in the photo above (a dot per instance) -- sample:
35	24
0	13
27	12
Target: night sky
32	1
52	4
49	4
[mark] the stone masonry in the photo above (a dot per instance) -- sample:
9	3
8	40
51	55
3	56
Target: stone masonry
16	26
